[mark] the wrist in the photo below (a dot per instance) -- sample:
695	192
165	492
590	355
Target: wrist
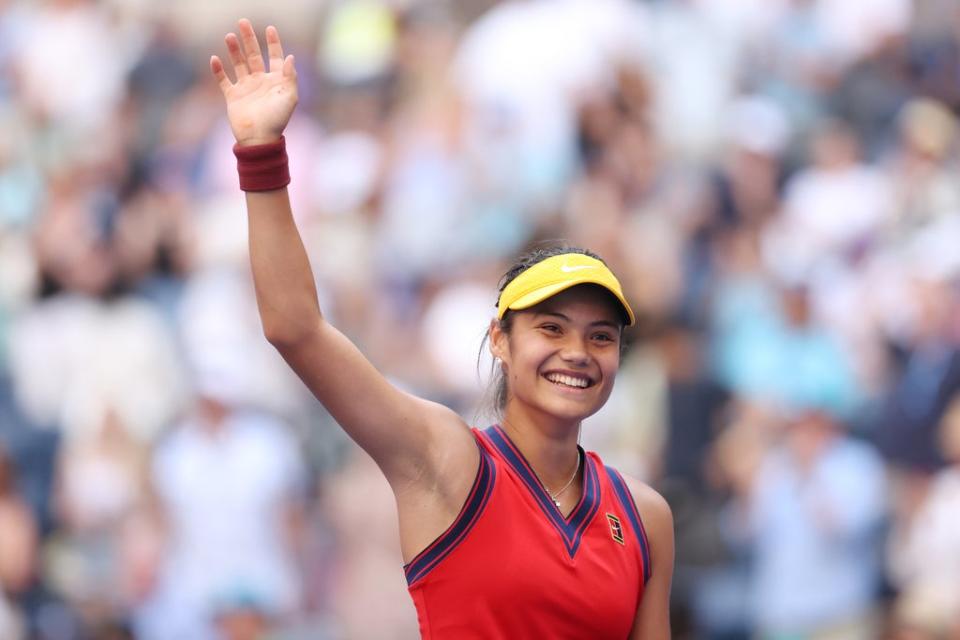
253	141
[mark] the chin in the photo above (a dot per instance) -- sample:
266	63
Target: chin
576	408
570	411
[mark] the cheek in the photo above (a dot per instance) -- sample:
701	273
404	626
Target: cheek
609	362
527	354
523	372
609	368
609	378
523	366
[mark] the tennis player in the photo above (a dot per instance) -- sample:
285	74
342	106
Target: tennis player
507	532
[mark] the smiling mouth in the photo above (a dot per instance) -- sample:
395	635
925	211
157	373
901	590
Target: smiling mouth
566	380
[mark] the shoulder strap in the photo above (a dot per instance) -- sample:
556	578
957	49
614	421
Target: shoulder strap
470	513
625	498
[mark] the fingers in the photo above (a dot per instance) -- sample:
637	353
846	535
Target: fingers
246	56
250	46
216	66
289	70
236	56
274	49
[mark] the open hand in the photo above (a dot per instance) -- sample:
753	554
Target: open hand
260	102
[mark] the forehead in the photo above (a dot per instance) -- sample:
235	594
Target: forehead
588	302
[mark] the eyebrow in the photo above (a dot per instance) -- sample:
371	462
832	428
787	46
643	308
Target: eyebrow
595	323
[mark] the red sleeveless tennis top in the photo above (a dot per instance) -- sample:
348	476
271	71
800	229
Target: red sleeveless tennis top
512	566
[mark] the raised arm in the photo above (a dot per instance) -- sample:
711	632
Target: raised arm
412	440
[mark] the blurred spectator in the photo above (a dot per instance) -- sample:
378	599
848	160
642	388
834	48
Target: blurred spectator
924	550
229	487
162	74
74	359
926	374
745	191
521	68
770	348
794	62
922	169
859	27
82	95
868	96
815	511
934	50
831	209
101	488
748	186
694	62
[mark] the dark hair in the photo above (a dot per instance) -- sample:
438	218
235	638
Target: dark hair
498	384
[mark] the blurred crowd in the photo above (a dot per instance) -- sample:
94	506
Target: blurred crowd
774	181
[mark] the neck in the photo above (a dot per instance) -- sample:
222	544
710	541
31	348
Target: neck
550	448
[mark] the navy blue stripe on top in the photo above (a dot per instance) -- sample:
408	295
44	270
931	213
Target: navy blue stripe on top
626	501
572	527
472	509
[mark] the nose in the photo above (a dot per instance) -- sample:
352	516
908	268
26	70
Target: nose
574	351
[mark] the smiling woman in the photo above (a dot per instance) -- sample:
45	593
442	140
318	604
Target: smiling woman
512	531
542	511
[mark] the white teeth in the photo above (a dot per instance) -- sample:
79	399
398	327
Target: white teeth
569	381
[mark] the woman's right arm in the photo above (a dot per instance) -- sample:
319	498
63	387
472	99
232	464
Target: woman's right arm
412	440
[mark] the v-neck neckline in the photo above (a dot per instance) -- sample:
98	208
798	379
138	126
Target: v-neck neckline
570	527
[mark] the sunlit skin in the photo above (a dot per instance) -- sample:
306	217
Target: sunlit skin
576	333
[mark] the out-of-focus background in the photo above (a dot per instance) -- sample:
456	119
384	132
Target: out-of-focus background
774	181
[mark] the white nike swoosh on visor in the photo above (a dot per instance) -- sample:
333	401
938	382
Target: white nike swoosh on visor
570	269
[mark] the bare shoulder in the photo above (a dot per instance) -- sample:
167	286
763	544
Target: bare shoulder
653	618
654	510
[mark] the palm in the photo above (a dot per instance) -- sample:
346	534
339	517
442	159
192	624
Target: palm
260	102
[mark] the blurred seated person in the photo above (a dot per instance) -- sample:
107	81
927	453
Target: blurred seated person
228	482
924	550
813	518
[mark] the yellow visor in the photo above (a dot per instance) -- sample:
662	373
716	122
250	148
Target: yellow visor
549	277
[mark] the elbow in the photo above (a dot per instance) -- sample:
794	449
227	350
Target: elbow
280	339
285	340
289	336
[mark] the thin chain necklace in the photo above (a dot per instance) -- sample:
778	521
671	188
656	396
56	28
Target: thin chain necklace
556	496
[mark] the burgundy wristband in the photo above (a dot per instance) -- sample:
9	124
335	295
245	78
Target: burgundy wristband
263	167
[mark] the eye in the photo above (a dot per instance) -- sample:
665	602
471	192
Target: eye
549	327
603	337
